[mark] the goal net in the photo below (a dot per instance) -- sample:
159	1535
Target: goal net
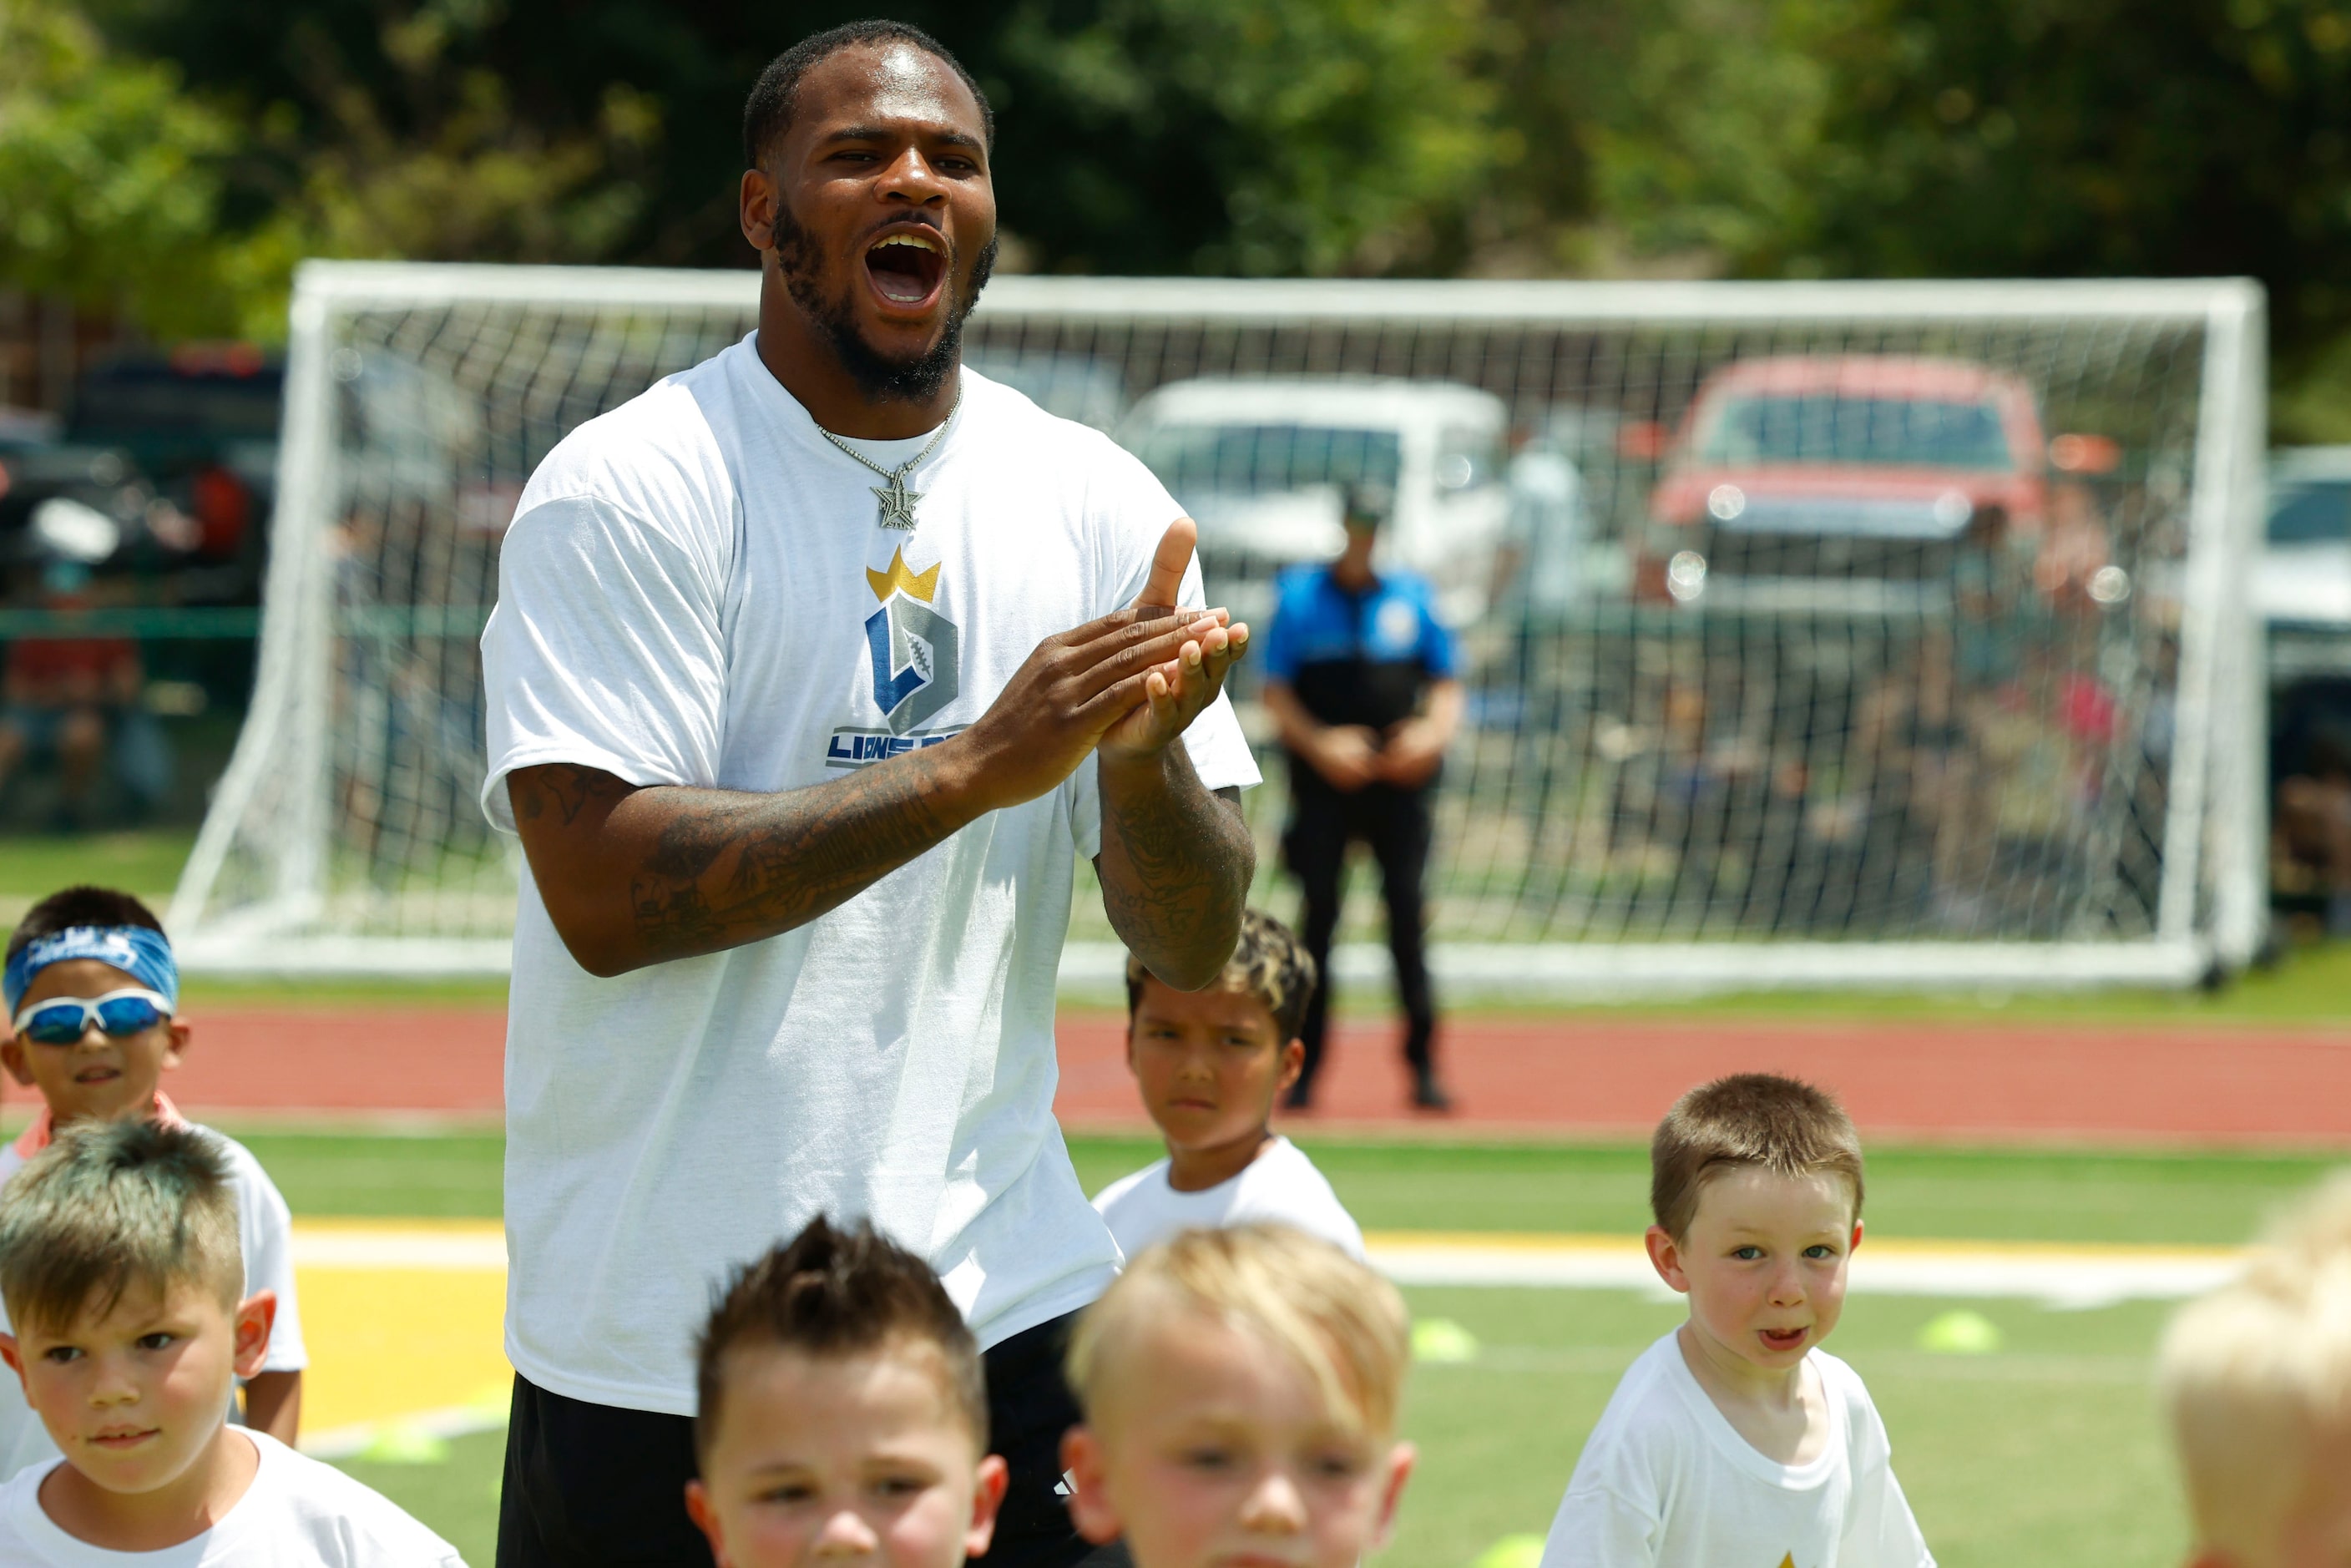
1851	634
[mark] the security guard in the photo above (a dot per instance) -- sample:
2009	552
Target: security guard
1360	676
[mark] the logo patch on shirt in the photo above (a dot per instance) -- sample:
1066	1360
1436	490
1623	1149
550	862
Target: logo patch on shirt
916	651
1396	628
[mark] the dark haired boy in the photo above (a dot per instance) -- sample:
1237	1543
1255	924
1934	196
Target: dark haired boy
93	997
842	1413
1210	1063
120	1267
1736	1438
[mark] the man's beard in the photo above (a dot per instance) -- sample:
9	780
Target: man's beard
880	378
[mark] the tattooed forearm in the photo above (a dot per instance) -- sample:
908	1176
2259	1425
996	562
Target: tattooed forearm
1176	865
727	869
634	876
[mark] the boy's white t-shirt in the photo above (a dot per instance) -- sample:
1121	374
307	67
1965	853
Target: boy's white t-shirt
299	1514
696	590
264	1229
1665	1479
1279	1187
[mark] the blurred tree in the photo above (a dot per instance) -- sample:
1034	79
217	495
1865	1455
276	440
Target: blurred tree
2082	138
108	191
1138	136
1241	136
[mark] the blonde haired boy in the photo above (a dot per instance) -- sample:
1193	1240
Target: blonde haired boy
1736	1438
120	1266
2257	1378
1240	1390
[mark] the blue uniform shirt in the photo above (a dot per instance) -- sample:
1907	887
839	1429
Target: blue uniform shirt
1361	656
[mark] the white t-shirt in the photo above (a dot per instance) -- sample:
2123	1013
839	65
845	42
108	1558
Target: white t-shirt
264	1230
696	590
299	1514
1279	1187
1665	1479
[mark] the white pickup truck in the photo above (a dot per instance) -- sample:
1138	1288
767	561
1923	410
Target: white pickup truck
1258	464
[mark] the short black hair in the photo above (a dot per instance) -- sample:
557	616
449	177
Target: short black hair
767	112
83	905
834	1293
1268	962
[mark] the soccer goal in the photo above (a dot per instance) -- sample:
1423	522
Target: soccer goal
1815	634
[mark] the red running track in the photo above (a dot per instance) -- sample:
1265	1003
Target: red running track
1587	1074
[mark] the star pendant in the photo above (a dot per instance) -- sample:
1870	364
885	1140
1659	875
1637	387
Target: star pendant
897	502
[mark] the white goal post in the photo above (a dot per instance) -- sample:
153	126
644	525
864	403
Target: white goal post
1816	634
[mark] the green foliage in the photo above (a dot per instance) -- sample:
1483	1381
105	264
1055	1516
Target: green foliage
1237	136
108	188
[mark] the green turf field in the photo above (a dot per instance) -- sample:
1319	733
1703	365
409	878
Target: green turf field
1958	1195
2044	1453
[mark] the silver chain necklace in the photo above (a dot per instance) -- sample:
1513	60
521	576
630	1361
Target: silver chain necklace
897	501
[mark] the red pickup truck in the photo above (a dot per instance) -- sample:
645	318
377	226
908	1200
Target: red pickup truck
1803	481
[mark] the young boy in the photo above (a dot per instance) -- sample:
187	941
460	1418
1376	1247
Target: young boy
1210	1064
93	997
1736	1438
1240	1390
842	1413
118	1264
2258	1379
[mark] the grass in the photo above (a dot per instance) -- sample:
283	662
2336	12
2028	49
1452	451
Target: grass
2045	1453
1956	1194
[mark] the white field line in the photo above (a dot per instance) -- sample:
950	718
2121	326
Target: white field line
2066	1277
463	1246
350	1442
2054	1275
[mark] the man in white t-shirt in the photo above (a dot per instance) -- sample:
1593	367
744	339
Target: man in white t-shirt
813	671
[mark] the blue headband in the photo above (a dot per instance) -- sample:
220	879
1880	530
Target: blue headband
138	952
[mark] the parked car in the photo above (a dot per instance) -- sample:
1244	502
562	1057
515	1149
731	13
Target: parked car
201	421
1258	464
1820	482
2303	576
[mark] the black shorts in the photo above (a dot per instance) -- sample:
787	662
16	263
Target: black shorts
592	1486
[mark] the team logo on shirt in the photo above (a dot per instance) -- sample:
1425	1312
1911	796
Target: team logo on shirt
917	665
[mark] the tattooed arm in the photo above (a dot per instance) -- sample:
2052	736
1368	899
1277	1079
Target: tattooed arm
633	875
1176	865
1175	859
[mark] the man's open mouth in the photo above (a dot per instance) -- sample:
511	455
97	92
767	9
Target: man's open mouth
906	265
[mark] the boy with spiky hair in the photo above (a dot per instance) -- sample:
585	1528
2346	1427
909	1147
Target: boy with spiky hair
842	1412
1210	1064
120	1267
1240	1389
93	1000
2257	1376
1736	1438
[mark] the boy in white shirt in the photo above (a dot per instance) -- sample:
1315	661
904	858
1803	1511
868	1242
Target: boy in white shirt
1736	1438
842	1413
1240	1390
119	1263
1210	1063
93	995
2257	1376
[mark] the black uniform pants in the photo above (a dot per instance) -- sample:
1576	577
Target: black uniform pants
590	1485
1396	823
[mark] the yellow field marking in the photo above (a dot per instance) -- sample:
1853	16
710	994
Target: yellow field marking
406	1316
400	1317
